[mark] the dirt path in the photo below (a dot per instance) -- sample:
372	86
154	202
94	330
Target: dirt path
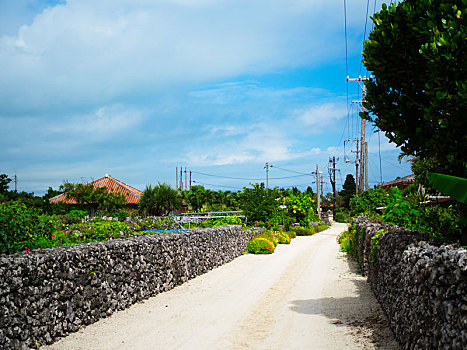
304	296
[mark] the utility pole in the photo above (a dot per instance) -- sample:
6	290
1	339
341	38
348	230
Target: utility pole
190	179
176	178
357	161
186	182
361	180
267	174
16	183
332	177
357	180
318	194
181	178
366	165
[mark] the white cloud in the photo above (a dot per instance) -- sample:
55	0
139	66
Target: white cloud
321	116
88	52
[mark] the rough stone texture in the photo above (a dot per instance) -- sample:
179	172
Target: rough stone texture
420	283
49	293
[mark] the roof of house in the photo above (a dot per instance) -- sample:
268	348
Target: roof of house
131	194
403	181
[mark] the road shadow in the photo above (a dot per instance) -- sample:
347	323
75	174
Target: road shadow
361	313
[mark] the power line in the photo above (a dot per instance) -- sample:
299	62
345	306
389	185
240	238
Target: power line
364	32
292	171
206	184
251	179
227	177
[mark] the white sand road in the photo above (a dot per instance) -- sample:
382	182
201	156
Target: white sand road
304	296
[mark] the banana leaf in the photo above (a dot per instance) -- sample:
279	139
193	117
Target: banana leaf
452	186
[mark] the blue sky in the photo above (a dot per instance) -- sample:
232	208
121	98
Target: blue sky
136	88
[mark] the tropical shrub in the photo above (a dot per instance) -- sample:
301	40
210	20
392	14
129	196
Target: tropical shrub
369	200
291	234
259	203
260	245
75	216
22	228
282	237
300	207
159	200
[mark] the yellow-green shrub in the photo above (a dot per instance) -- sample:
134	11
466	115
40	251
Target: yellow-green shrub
282	237
260	245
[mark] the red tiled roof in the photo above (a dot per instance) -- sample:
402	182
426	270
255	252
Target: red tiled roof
404	181
131	194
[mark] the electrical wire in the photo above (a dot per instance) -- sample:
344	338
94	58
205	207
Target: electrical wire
206	184
292	171
364	32
251	179
227	177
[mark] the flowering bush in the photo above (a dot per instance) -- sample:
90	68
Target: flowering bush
260	245
301	207
282	237
22	228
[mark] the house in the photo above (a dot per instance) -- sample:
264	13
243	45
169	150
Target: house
131	194
401	183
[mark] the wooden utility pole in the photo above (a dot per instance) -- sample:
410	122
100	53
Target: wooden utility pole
190	180
267	174
181	178
318	194
357	161
332	177
366	165
361	175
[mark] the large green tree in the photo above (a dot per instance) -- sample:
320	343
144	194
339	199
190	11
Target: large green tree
259	203
417	53
348	190
4	181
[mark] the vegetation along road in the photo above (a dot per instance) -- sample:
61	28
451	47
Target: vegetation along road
304	296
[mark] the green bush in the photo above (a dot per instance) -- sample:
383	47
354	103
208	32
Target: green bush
291	234
302	231
269	235
282	237
75	216
345	241
22	228
260	245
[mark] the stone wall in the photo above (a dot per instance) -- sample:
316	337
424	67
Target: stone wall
46	294
420	283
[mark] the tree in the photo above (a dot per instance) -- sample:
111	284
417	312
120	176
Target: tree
259	203
369	201
86	194
4	181
159	200
418	97
348	190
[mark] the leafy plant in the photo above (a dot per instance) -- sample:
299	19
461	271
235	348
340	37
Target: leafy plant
259	203
159	200
418	57
260	245
375	245
282	237
369	200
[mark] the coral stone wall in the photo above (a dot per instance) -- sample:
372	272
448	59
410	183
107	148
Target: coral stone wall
49	293
420	283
